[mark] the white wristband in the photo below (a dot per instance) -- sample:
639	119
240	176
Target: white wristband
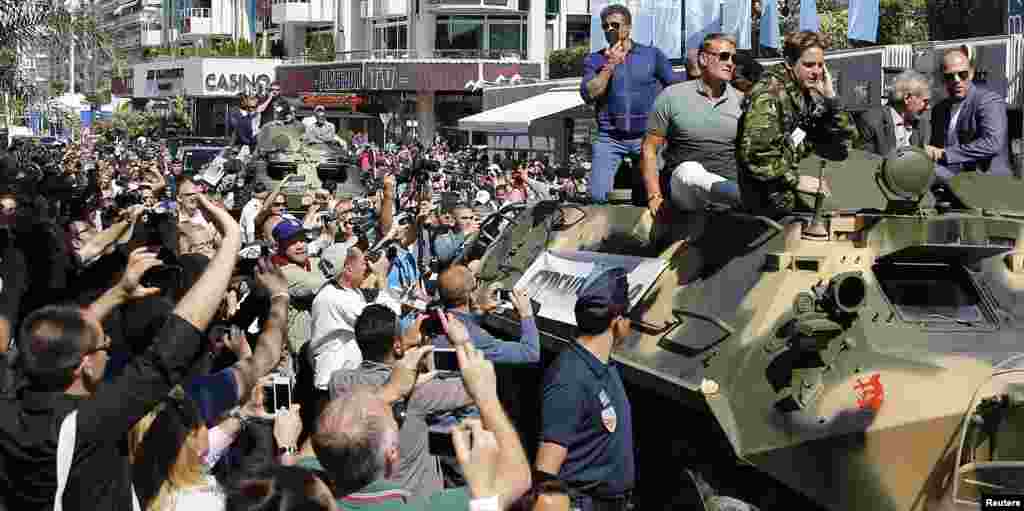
484	504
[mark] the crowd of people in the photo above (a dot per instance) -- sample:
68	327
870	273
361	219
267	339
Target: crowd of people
174	344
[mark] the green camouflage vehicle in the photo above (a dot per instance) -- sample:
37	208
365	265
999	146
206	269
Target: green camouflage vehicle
862	355
281	152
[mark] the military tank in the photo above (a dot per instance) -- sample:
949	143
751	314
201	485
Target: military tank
281	151
864	354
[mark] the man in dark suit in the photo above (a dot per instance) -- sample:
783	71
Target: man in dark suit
899	124
969	133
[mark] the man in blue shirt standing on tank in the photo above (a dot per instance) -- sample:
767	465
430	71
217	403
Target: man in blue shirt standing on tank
621	81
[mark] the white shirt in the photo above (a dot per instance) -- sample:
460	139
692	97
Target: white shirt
334	313
900	129
248	220
208	497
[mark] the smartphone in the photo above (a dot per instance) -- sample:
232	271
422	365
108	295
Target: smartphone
277	394
445	359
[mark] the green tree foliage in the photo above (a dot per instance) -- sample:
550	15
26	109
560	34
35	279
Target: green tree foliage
58	87
227	48
901	22
320	47
567	63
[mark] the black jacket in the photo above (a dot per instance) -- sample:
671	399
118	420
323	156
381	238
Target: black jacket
100	473
879	134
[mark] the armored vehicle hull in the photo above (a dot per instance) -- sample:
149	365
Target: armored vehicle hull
861	358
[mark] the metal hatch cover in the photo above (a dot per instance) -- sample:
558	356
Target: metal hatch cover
982	191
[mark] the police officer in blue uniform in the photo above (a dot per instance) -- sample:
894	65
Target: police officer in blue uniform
587	425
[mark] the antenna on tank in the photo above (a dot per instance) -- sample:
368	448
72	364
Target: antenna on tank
817	230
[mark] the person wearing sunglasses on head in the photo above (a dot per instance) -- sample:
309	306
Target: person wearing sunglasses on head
700	119
621	81
970	129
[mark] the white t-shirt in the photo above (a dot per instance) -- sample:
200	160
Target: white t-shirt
207	497
334	313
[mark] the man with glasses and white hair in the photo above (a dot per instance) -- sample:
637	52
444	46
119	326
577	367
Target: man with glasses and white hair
900	123
622	82
700	120
970	131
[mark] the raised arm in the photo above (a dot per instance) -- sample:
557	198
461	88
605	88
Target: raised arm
202	301
597	76
512	477
267	353
107	237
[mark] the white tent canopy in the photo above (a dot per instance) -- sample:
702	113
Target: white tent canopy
538	115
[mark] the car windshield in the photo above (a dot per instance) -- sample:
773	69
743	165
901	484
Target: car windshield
195	159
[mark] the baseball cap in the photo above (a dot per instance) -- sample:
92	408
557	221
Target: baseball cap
604	295
482	197
319	108
332	260
287	230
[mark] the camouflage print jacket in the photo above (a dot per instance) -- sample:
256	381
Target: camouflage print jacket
770	147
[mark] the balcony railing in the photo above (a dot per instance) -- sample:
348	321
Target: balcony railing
357	55
196	12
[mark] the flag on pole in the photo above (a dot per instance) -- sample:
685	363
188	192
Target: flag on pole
736	20
808	16
863	20
770	24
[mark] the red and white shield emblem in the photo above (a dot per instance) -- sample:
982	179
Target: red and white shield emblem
609	419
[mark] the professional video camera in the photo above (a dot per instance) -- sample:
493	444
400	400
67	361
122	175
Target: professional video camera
420	171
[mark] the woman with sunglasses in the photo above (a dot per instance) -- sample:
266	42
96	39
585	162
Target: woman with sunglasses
792	113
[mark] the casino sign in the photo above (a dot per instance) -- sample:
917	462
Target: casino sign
236	82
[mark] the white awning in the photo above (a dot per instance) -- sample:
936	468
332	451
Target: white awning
528	116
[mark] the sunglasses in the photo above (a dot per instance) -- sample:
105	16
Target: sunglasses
611	26
722	56
952	77
280	204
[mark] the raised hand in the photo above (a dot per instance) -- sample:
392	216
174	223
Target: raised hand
140	260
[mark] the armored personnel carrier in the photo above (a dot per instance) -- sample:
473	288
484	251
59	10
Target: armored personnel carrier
281	151
863	355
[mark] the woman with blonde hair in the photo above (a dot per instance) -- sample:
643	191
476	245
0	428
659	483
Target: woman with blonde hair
170	469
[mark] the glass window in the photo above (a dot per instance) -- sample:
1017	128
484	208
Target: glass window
506	37
460	33
577	33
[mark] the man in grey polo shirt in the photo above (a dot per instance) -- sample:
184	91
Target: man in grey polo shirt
700	120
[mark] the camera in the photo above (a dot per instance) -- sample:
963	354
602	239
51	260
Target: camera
440	427
504	295
433	326
328	216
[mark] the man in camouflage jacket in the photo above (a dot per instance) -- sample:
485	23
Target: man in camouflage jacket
782	124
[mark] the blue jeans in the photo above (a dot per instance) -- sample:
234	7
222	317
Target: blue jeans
608	154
